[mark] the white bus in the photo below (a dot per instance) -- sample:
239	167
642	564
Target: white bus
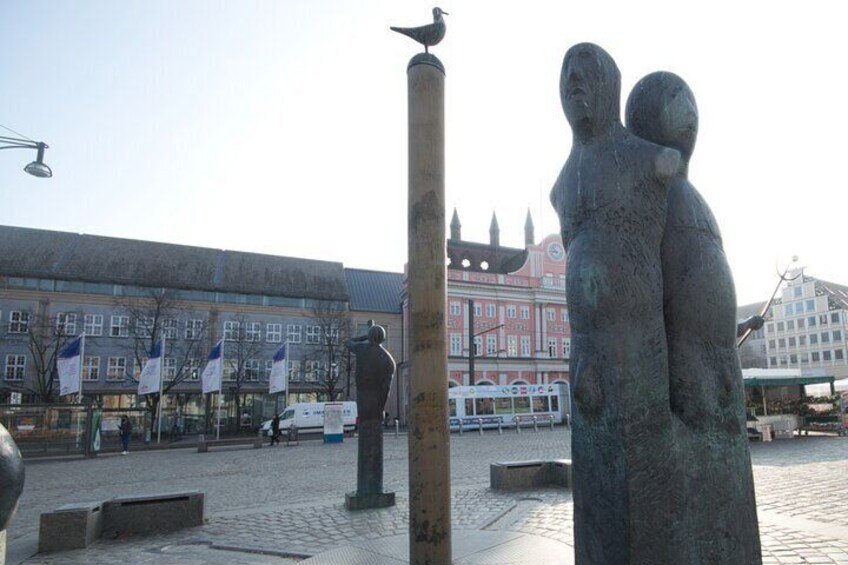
491	405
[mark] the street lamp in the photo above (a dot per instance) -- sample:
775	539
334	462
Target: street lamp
37	168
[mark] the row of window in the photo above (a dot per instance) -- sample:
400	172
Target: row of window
801	323
802	340
116	369
512	311
512	346
799	307
119	326
807	357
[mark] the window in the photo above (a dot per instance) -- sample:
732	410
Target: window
811	305
814	356
811	322
251	370
772	361
120	328
170	328
793	358
455	344
273	333
169	369
566	347
780	326
551	313
478	310
770	327
802	340
252	331
311	370
564	314
837	335
771	344
490	310
294	369
792	341
525	312
805	358
790	325
194	329
331	336
293	333
834	317
800	323
510	311
823	320
144	327
478	345
552	347
787	309
18	322
230	370
826	355
116	369
231	330
66	323
93	324
91	368
781	343
511	346
814	339
193	370
825	337
799	307
837	354
454	308
313	335
15	367
525	346
491	344
797	291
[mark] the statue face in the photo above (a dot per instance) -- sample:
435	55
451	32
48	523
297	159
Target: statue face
662	109
679	119
589	88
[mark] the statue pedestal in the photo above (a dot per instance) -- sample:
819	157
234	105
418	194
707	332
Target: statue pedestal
355	501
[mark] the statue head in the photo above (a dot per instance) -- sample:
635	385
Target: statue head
589	90
376	334
661	109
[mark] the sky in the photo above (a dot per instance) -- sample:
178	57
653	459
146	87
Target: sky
279	127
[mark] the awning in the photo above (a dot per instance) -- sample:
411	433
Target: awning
787	381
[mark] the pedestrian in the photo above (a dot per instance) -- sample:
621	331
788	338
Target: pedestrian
126	431
275	430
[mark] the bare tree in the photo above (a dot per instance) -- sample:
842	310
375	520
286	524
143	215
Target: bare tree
44	337
153	315
330	328
242	345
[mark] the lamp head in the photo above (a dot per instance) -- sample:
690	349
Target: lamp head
37	168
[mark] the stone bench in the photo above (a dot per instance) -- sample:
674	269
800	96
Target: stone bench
524	475
203	445
152	513
532	420
72	526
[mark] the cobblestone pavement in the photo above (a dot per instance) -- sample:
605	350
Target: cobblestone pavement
282	504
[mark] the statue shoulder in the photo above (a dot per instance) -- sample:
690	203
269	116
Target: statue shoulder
666	162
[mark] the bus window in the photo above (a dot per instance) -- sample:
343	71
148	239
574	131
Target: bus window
554	403
452	406
522	405
485	406
503	406
540	404
469	406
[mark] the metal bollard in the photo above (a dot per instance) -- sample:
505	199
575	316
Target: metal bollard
535	424
460	426
500	428
480	425
552	422
397	428
517	424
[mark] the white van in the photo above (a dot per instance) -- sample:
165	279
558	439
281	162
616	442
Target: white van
309	417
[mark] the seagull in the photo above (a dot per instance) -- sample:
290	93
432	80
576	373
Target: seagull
429	34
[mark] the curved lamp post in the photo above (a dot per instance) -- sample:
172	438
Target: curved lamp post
37	168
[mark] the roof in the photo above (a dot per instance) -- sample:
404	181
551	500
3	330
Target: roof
374	291
783	377
747	310
498	259
34	253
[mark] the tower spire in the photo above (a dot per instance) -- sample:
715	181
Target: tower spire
529	237
455	227
494	232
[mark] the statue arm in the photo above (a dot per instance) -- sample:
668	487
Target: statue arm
753	323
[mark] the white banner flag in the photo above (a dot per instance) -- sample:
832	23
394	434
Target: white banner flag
152	372
69	366
214	370
277	382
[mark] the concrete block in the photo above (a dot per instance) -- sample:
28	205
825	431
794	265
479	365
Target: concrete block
71	526
354	501
523	475
152	513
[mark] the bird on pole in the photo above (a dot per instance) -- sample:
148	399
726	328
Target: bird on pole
429	34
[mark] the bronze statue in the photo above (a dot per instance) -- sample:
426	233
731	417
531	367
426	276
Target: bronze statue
427	35
11	478
374	370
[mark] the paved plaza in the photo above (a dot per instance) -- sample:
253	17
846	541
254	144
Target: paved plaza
286	504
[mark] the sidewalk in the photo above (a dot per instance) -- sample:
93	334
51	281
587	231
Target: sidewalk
802	504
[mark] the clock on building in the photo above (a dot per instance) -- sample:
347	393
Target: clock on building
555	251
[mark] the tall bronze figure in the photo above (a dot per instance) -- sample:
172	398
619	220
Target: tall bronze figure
611	202
719	515
374	370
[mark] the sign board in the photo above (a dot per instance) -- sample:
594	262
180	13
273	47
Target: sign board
333	422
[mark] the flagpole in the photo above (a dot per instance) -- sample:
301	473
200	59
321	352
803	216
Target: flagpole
286	375
159	406
220	387
82	364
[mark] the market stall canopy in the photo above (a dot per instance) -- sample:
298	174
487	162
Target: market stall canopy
785	377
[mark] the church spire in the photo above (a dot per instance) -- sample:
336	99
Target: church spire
455	227
494	232
529	237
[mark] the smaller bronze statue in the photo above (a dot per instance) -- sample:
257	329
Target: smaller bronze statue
374	370
429	34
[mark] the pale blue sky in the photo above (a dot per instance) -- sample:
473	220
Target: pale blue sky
280	127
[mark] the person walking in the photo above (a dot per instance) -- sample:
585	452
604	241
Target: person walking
126	431
275	430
